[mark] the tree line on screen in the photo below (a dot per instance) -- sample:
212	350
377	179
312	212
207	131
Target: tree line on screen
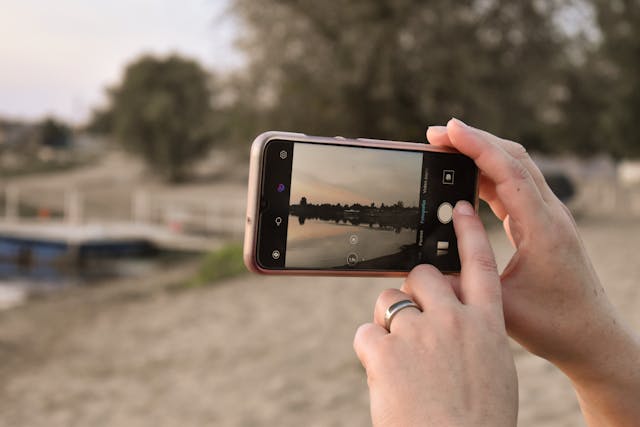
396	216
555	75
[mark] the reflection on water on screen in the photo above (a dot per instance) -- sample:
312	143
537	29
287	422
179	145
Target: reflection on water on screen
314	243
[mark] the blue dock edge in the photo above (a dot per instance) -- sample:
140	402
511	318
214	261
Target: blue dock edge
29	251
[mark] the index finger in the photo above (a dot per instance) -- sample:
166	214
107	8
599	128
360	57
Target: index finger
438	135
479	279
514	184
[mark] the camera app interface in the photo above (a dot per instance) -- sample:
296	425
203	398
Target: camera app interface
369	208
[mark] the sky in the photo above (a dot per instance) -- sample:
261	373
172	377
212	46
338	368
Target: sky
56	57
347	175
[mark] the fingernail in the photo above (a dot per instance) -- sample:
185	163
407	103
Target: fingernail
460	123
437	130
464	208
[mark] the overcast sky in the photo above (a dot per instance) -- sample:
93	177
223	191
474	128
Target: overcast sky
56	57
326	174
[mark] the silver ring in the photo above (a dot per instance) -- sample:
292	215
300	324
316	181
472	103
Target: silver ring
395	308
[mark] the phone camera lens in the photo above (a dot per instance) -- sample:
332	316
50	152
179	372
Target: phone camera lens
280	188
275	254
283	154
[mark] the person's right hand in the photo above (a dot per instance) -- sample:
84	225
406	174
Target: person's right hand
554	303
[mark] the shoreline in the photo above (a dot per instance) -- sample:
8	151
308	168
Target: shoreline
249	351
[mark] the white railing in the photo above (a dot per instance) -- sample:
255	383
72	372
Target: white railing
74	207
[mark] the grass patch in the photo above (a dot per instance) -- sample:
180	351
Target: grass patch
221	264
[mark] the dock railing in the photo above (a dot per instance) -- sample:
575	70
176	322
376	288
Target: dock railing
195	224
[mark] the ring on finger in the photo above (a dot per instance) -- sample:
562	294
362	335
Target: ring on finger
395	308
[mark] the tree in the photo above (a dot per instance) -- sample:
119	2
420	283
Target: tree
53	133
387	69
162	111
618	56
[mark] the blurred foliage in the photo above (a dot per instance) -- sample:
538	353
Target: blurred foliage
553	74
556	75
386	69
53	133
618	64
223	263
163	112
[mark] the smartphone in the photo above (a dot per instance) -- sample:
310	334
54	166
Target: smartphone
353	207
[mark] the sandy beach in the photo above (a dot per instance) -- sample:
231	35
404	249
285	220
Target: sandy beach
250	351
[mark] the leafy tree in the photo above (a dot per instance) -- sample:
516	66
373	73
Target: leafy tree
619	65
386	69
101	122
53	133
163	112
601	82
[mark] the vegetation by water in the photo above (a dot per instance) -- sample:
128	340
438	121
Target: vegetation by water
395	216
221	264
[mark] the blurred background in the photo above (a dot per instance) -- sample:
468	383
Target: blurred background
124	136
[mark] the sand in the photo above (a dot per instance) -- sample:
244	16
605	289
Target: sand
251	351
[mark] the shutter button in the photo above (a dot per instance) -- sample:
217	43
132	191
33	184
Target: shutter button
445	213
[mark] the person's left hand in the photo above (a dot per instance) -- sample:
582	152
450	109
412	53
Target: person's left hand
449	365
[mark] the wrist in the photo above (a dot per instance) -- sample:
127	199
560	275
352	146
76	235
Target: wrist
611	359
608	393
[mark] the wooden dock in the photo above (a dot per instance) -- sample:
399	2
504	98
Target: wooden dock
47	240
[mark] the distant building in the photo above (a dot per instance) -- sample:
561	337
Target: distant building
14	134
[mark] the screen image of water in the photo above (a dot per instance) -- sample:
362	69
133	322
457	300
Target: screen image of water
328	244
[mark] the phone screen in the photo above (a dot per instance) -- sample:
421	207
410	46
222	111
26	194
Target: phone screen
336	207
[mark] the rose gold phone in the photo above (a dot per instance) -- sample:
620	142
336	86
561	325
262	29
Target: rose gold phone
356	207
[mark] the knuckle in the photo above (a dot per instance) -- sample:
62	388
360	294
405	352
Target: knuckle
360	336
361	333
567	212
367	348
358	344
383	349
519	171
518	150
484	261
515	149
423	270
386	296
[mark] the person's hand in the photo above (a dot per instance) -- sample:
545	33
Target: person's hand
554	304
449	365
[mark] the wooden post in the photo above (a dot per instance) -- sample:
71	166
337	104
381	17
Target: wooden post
11	197
213	217
140	206
73	207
